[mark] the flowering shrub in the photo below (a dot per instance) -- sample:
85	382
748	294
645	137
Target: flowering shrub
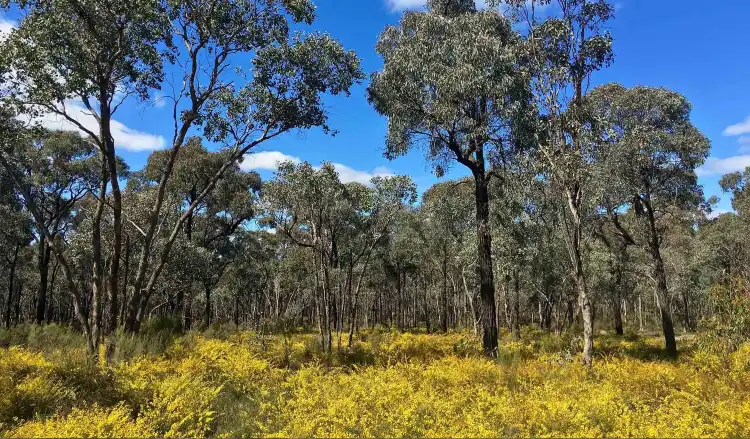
388	384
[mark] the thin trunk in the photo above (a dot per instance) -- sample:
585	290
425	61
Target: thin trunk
97	287
584	301
11	281
517	306
43	266
444	317
207	309
116	195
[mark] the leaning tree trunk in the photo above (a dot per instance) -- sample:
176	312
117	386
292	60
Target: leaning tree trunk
662	292
484	268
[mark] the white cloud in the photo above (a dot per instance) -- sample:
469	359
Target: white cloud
159	100
401	5
125	137
348	175
739	128
744	142
266	160
5	27
269	161
715	213
718	167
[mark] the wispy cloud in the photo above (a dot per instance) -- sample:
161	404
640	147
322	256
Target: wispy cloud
402	5
159	100
717	167
738	128
267	160
125	137
744	142
270	160
715	213
5	27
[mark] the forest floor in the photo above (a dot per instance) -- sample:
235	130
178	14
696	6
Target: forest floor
224	383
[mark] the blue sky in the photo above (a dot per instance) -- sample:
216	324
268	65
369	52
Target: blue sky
698	49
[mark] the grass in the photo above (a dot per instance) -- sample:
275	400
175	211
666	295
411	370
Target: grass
230	383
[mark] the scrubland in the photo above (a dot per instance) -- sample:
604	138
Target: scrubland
229	383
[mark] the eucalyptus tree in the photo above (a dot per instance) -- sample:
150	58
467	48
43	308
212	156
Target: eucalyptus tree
562	51
341	224
736	184
71	57
14	236
309	207
60	168
451	83
446	212
655	150
209	225
284	83
52	173
376	210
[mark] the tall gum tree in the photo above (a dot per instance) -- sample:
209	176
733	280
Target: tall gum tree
68	57
279	82
655	150
451	83
562	51
73	54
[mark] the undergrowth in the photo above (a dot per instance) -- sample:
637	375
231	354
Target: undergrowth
230	383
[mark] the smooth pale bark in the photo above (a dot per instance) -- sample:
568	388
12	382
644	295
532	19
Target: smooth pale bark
584	301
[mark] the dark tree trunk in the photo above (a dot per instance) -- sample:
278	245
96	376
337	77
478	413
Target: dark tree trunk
517	306
43	265
11	282
207	309
617	300
484	268
660	276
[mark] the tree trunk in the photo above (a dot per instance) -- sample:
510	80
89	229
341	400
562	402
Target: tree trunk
584	302
43	266
444	317
484	269
660	276
116	195
11	281
517	305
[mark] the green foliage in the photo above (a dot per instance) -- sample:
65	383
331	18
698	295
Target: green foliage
729	327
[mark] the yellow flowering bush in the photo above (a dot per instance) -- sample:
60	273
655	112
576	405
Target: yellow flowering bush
91	421
387	385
